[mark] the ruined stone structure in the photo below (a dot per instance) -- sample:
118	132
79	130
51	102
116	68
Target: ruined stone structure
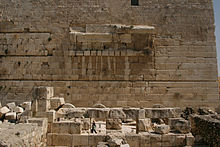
119	53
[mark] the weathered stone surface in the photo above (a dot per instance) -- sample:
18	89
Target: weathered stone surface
3	111
56	102
101	113
113	124
182	126
50	115
11	105
41	122
206	129
86	124
117	113
18	109
43	92
144	125
10	116
20	135
43	105
162	112
158	106
71	113
134	113
26	105
66	127
162	129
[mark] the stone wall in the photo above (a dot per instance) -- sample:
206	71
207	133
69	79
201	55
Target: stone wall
174	65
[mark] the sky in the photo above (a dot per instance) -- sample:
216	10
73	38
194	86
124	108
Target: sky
217	30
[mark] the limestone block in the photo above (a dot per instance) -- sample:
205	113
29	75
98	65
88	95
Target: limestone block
172	139
71	113
50	115
56	102
18	109
113	124
3	111
94	37
190	139
125	38
117	113
162	112
67	127
43	105
86	123
101	113
10	116
134	113
11	105
26	105
43	92
162	129
55	139
41	122
144	125
23	117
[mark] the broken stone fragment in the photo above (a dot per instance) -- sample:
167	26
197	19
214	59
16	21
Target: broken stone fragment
18	109
144	125
11	105
182	126
113	124
26	105
56	102
10	116
3	111
162	112
162	129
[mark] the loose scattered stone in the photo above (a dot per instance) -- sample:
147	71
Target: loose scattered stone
11	116
11	105
3	111
18	109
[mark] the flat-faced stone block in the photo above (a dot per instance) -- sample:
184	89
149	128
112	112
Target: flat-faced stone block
100	113
71	113
56	102
162	112
50	115
94	37
134	113
68	127
43	105
43	92
56	139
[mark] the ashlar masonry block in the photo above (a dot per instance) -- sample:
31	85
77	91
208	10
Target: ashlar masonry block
43	92
66	127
